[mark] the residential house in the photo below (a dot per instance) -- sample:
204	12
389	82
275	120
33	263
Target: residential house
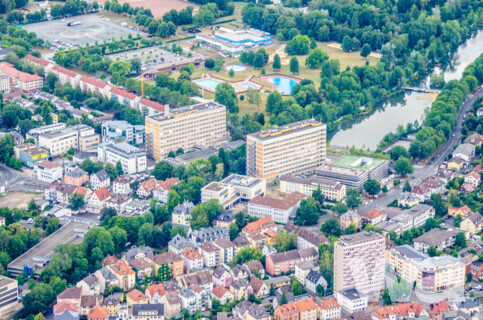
464	151
256	240
64	310
89	302
438	238
125	98
328	309
278	282
98	313
285	261
464	211
178	244
188	300
240	289
59	192
473	223
100	179
456	163
112	303
259	226
306	238
202	279
106	278
247	310
136	297
139	253
148	312
76	177
373	216
192	259
146	188
221	277
297	310
109	260
259	288
172	304
239	272
437	310
224	219
119	202
409	199
222	294
476	269
122	184
401	311
203	298
446	175
350	218
255	268
352	300
211	254
125	275
181	213
469	307
98	199
422	191
143	267
161	190
170	264
313	280
436	185
473	178
72	295
155	292
90	285
474	138
302	270
209	235
227	249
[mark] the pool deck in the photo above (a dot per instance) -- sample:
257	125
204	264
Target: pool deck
238	85
278	75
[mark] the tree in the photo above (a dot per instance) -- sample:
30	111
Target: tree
283	300
457	221
163	170
386	297
234	231
119	170
177	230
253	96
225	94
398	151
307	213
347	43
438	204
460	240
231	73
331	227
366	50
294	65
246	254
297	288
403	166
351	229
277	64
431	223
299	45
339	208
372	187
209	63
407	186
285	241
316	58
353	198
119	238
76	201
432	251
320	290
469	277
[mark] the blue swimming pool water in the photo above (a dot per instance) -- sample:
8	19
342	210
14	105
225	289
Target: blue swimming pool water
236	68
248	85
208	83
284	84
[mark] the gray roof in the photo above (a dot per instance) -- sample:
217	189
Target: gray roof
435	236
66	315
313	276
183	208
131	254
179	242
468	304
76	173
209	234
186	292
410	252
141	309
102	175
225	216
240	283
465	148
352	294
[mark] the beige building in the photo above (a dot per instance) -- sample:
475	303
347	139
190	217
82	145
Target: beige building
298	147
24	81
80	137
359	262
432	274
202	124
473	223
332	190
8	295
349	218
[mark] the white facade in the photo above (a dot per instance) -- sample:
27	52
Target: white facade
80	137
48	171
279	210
211	254
133	160
351	300
122	185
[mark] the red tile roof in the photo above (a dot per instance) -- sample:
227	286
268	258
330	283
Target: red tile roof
10	70
36	60
152	104
259	225
107	261
156	288
98	312
136	295
63	70
399	311
102	194
122	269
123	93
439	307
94	82
219	291
191	254
330	303
48	164
284	204
65	306
473	174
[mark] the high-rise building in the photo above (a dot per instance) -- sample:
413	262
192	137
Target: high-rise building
359	262
202	124
298	147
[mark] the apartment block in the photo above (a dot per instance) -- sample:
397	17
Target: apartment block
48	171
332	190
133	160
359	262
80	137
24	81
298	310
36	132
122	131
8	295
432	274
280	210
202	124
298	147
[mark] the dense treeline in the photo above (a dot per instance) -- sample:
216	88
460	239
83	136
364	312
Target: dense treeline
7	5
439	123
21	41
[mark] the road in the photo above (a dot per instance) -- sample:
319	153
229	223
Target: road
422	173
16	181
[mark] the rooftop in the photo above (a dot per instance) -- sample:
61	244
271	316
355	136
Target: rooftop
282	204
185	111
313	180
360	237
287	129
357	162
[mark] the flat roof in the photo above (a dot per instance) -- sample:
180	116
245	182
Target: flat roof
287	129
182	111
360	237
358	162
241	181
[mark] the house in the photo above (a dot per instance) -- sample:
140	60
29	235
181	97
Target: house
203	279
328	309
88	302
137	207
100	179
181	213
188	300
467	188
306	238
409	199
119	202
90	285
142	266
261	225
438	238
476	269
436	185
125	98
350	218
139	253
211	254
469	307
155	292
239	272
98	313
278	282
268	250
76	177
352	300
445	175
170	264
474	138
313	280
106	278
422	191
48	171
148	312
67	310
209	234
259	288
221	277
256	240
465	151
402	311
112	303
98	199
300	310
122	184
437	310
136	297
109	260
224	219
125	275
178	244
59	192
255	268
192	259
473	178
94	86
373	216
473	223
146	188
172	304
222	294
228	249
464	211
161	190
302	270
72	295
285	261
456	163
247	310
240	288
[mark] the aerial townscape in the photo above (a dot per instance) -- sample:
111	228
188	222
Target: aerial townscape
241	160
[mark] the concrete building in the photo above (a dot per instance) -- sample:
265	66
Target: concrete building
192	259
210	234
234	41
432	274
122	184
414	217
29	154
464	151
122	131
47	171
80	137
373	216
328	309
66	76
298	147
24	81
51	128
285	261
150	108
351	300
6	83
211	254
438	238
201	124
306	238
125	98
233	189
76	177
8	296
359	262
133	160
332	190
279	210
353	171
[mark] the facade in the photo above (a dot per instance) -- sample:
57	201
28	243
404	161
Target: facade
125	98
100	179
8	295
171	264
80	137
209	234
202	124
298	310
438	238
279	210
181	213
313	280
48	171
233	189
284	262
228	249
192	259
122	184
29	154
24	81
328	309
373	216
401	311
473	223
211	254
150	108
122	131
76	177
148	312
298	147
414	217
126	276
133	160
359	262
464	151
352	300
332	190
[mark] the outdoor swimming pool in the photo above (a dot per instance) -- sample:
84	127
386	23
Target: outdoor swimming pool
248	85
208	83
236	68
284	84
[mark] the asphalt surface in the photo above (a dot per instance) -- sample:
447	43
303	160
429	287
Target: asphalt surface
422	173
16	181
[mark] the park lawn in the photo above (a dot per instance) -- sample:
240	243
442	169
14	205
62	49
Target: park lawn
351	59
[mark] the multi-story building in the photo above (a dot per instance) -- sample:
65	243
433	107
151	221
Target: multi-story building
298	310
133	160
210	234
80	137
125	98
328	309
36	132
48	171
412	310
373	216
280	210
122	131
352	300
126	277
8	295
192	259
233	189
211	254
228	250
24	81
432	274
440	239
414	217
76	177
473	223
172	265
150	108
122	185
331	189
202	124
94	86
29	154
359	262
306	238
181	213
284	262
298	147
100	179
6	83
66	76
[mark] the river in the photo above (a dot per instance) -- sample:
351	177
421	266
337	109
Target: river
400	109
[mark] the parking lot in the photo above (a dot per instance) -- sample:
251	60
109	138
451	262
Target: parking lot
90	28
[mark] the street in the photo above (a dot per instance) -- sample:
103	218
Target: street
437	159
18	181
